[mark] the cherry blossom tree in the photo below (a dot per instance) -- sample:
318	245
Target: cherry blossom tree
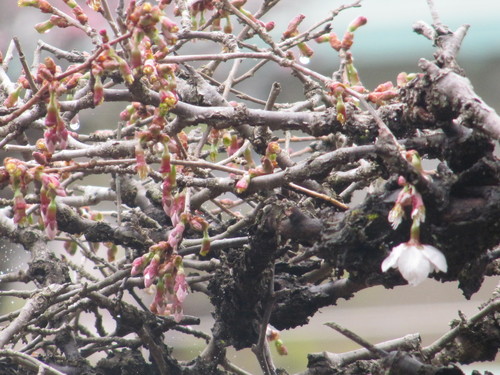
246	200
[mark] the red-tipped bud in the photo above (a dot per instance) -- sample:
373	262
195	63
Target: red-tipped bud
80	15
135	56
137	265
291	30
347	41
384	86
243	183
151	271
358	22
40	158
337	88
165	166
335	42
175	235
50	220
125	70
379	97
98	90
269	26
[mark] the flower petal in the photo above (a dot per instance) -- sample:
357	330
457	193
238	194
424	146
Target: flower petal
413	265
393	257
436	257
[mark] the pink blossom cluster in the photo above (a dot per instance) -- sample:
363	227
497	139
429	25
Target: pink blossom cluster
51	188
164	266
18	175
56	134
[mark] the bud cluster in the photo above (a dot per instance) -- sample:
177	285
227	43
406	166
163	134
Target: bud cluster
56	19
51	188
19	176
292	31
164	266
268	164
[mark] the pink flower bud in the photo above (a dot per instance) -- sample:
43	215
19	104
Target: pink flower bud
358	22
401	79
269	26
234	144
180	287
80	15
380	97
59	21
291	30
335	42
175	235
52	117
243	183
151	271
347	41
137	264
98	90
384	86
125	70
141	165
19	207
165	166
49	220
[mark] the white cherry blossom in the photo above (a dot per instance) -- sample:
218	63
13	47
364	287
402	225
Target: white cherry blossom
415	261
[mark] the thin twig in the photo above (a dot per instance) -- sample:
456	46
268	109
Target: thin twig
26	68
357	339
320	196
431	350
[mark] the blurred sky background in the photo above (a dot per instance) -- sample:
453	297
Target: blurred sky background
383	48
